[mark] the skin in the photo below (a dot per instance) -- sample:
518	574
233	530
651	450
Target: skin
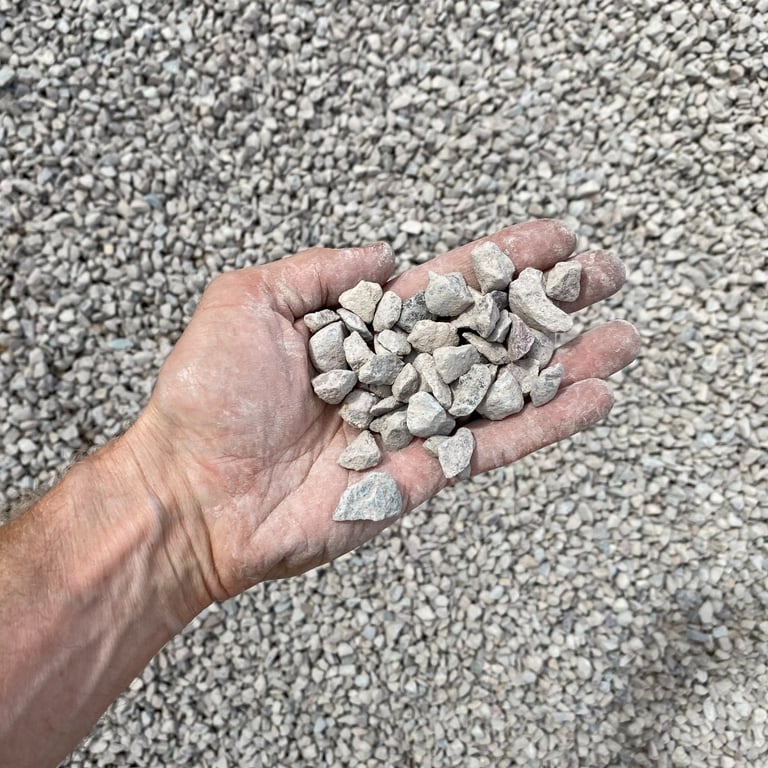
229	478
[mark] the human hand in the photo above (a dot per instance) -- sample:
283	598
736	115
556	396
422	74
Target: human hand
249	452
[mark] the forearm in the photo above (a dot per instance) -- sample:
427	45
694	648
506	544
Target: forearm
94	579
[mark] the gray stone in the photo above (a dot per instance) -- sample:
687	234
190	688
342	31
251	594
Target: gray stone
387	311
334	386
452	362
326	348
455	453
426	417
362	453
355	324
500	298
393	341
526	371
428	335
317	320
493	268
362	299
382	391
504	397
499	334
528	300
380	369
406	383
494	353
431	381
447	295
543	348
414	309
547	384
356	351
356	408
376	497
563	281
470	389
431	444
481	317
7	74
520	338
385	405
393	428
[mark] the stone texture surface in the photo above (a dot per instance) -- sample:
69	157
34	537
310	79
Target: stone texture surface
455	453
482	317
393	429
376	497
431	380
387	311
526	371
504	396
452	362
394	342
493	353
470	389
406	383
447	295
428	335
414	309
362	299
356	351
547	384
362	453
528	300
380	369
333	386
326	348
493	268
426	417
520	338
431	444
317	320
563	281
356	408
355	323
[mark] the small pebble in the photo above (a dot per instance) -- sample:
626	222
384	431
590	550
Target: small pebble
455	453
447	295
547	384
362	299
493	268
333	386
376	497
362	453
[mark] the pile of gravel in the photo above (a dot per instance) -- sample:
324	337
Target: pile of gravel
603	602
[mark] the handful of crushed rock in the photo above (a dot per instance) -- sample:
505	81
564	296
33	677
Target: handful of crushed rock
423	366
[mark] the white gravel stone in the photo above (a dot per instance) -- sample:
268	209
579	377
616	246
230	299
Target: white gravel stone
317	320
494	353
393	430
504	396
431	381
387	311
455	453
447	295
356	351
414	309
428	335
493	268
563	281
547	384
380	369
333	386
470	389
355	324
431	444
528	300
356	408
406	383
452	362
326	348
520	338
376	497
362	299
426	417
482	317
394	342
362	453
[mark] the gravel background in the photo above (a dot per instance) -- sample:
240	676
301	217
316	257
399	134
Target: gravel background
601	603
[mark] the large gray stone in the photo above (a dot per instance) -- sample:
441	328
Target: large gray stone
356	351
431	380
393	428
470	389
494	353
326	348
406	383
428	335
481	317
333	386
356	408
447	295
414	309
426	417
362	299
452	362
504	397
547	384
376	497
362	453
455	453
380	369
520	338
387	311
317	320
528	299
563	281
493	268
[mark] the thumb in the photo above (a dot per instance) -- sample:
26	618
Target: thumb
315	278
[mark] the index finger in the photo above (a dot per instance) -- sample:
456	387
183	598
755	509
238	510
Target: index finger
539	244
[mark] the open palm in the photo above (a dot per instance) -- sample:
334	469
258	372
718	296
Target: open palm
258	450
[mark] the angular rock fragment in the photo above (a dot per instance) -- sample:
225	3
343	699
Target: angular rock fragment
362	453
447	295
455	453
326	347
380	369
504	397
362	299
428	335
528	300
385	405
470	389
356	408
375	497
395	342
387	311
547	384
431	381
520	338
493	268
317	320
501	299
499	334
393	428
563	282
526	371
333	386
355	324
431	444
543	348
494	353
481	317
406	383
452	362
426	417
356	351
414	309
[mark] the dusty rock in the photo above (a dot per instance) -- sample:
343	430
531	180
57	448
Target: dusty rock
333	386
381	391
414	309
393	428
528	300
431	380
543	348
520	338
493	268
380	369
501	299
431	444
362	299
375	497
385	405
499	334
494	353
355	324
387	311
470	389
326	348
481	317
452	362
356	351
426	417
356	408
362	453
547	384
317	320
428	335
526	371
563	281
447	295
393	341
504	397
455	452
406	383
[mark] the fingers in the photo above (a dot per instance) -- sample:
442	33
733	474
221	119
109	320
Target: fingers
315	278
602	275
539	244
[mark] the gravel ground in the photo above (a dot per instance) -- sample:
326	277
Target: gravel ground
600	603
